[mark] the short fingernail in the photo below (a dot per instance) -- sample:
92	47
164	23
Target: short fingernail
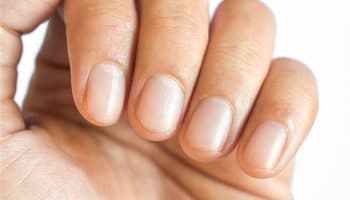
105	93
210	125
160	104
266	145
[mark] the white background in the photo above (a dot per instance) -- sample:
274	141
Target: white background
316	32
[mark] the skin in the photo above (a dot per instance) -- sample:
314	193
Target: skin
56	148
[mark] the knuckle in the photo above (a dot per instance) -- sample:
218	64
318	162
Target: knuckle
240	57
177	22
102	16
10	49
119	21
279	110
292	104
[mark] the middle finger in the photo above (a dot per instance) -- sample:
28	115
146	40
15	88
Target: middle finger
172	41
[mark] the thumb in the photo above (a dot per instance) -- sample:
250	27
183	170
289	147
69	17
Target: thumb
17	17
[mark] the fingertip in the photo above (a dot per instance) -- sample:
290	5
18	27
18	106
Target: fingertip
280	120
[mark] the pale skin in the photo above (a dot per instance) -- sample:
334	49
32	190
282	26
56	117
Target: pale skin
225	118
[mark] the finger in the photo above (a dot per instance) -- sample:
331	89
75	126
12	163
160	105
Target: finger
235	65
280	120
172	40
100	36
27	16
51	77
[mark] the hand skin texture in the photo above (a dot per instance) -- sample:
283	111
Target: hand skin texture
150	100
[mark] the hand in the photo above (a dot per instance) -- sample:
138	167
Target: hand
216	95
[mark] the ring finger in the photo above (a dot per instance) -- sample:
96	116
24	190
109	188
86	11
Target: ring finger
236	63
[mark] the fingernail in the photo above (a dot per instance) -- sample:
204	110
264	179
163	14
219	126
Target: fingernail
266	145
160	104
210	125
105	93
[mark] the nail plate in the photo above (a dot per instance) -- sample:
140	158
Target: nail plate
105	93
160	104
210	125
266	144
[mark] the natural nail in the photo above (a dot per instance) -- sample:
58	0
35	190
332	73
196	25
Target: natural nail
160	104
266	145
210	125
105	93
